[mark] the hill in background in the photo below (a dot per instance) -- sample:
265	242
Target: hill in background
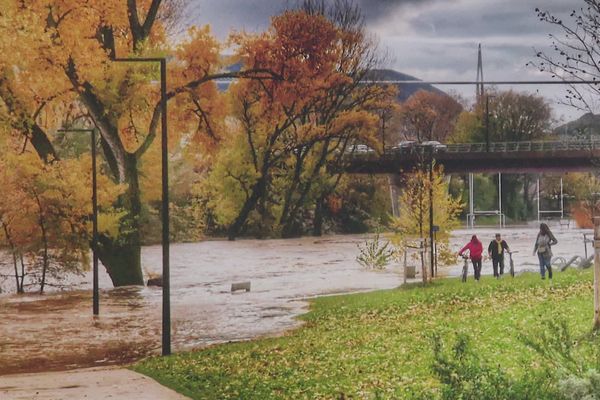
405	89
588	124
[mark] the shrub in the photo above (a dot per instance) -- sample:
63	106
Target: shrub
576	360
376	254
465	376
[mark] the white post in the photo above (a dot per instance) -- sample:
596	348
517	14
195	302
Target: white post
538	190
470	218
500	199
562	199
393	196
596	273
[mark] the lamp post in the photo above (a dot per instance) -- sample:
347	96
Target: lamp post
487	121
95	295
431	233
166	304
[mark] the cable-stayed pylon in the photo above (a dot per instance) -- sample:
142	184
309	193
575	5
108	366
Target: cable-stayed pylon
479	90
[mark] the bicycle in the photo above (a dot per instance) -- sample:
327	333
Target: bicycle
465	270
512	263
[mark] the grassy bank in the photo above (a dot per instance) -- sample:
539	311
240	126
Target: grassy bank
378	345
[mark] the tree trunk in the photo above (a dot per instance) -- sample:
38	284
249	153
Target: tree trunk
526	197
289	227
122	256
257	192
122	261
22	287
318	220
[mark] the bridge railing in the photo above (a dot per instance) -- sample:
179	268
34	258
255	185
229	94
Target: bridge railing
503	147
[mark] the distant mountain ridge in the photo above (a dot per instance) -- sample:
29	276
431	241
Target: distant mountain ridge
587	124
405	89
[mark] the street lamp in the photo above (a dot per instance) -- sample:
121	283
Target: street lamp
96	297
487	122
431	245
166	306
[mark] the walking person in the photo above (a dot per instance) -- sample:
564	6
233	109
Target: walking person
475	250
496	252
543	243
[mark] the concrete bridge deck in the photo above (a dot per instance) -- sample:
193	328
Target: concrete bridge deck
505	157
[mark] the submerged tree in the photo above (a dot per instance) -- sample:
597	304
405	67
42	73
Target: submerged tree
277	162
45	216
58	60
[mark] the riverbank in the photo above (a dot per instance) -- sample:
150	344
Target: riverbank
57	331
378	345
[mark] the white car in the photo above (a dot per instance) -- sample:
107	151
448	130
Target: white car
359	148
434	144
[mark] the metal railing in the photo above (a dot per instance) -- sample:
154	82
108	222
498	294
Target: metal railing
505	147
494	147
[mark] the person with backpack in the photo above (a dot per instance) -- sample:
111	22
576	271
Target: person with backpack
496	252
475	250
543	243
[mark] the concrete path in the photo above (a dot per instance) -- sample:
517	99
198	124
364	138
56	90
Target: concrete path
88	384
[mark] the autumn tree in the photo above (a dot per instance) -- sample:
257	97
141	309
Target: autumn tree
59	57
287	131
414	205
511	117
428	116
45	216
515	116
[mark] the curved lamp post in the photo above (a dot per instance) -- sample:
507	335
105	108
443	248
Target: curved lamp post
166	304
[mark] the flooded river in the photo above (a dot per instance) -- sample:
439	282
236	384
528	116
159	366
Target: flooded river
57	330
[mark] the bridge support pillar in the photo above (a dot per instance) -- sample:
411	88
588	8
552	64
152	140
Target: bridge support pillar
473	212
394	194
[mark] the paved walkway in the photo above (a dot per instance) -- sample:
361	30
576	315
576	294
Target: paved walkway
88	384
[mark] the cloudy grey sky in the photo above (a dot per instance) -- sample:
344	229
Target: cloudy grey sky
429	39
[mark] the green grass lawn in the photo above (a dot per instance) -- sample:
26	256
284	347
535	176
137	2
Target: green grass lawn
378	345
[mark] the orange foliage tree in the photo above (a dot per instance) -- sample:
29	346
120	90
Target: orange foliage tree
58	61
429	116
288	130
45	215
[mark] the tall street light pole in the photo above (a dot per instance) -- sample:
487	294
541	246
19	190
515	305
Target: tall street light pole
166	305
487	123
95	291
431	244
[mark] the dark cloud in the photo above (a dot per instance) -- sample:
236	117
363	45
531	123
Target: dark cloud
254	15
485	18
430	39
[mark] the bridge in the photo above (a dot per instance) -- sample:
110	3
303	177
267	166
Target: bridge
504	157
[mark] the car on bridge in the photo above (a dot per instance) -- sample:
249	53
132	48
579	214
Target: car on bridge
359	148
405	146
434	144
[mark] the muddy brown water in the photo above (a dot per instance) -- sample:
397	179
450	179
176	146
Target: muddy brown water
57	330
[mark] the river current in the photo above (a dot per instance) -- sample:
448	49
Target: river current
57	330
